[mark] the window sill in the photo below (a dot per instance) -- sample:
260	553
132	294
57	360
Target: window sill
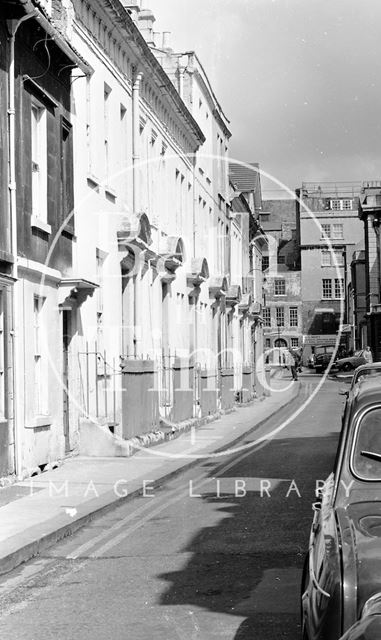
69	229
93	181
40	421
36	223
110	192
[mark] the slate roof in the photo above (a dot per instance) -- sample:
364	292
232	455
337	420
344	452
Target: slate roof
246	179
267	225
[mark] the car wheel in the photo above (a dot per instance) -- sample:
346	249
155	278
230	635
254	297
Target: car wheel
347	366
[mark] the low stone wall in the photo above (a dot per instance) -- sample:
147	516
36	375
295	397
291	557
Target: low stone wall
227	389
140	403
183	383
247	384
209	388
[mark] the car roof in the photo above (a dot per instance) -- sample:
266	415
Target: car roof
368	391
369	365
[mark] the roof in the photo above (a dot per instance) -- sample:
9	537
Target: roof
243	177
267	225
247	179
368	391
239	205
330	189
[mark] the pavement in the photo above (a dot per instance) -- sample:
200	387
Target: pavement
37	512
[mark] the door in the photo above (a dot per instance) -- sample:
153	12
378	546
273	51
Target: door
66	339
322	598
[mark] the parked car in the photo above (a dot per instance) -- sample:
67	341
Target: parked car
341	583
362	372
322	356
351	362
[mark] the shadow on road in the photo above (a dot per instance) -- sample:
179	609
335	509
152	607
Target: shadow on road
249	564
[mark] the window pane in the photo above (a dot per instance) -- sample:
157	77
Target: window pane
368	440
280	287
327	288
293	316
339	257
337	231
325	258
339	288
326	230
267	317
280	316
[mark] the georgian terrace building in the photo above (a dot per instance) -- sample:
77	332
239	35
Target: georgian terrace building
131	308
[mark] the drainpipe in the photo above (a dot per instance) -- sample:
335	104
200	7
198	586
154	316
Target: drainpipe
135	191
13	26
135	139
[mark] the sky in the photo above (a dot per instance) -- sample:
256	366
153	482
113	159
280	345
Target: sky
299	81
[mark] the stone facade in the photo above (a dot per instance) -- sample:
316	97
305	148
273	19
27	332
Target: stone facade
282	281
369	324
130	275
329	232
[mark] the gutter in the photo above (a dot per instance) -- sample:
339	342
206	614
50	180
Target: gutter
144	52
59	39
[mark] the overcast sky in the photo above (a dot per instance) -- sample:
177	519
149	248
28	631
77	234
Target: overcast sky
299	80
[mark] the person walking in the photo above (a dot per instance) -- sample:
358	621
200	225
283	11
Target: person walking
292	363
368	355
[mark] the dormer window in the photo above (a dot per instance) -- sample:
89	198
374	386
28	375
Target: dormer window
342	204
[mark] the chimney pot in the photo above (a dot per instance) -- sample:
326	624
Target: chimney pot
166	35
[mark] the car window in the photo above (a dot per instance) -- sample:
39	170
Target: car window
366	450
322	350
358	353
364	373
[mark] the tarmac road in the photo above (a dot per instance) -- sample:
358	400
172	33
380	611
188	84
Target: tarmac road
216	552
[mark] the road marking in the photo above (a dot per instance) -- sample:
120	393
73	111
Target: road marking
124	534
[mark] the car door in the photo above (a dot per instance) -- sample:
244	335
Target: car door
322	599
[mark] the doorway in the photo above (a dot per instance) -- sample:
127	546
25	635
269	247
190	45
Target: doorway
66	339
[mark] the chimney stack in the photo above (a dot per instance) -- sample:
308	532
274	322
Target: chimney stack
132	7
166	35
146	20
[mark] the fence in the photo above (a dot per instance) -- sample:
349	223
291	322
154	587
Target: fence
98	380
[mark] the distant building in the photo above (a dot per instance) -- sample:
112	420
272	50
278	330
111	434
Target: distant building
369	323
358	302
282	314
245	179
329	232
